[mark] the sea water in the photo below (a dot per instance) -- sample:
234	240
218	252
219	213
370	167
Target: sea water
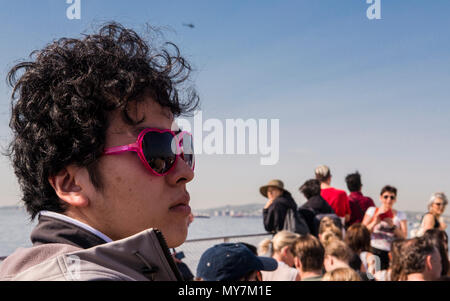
16	226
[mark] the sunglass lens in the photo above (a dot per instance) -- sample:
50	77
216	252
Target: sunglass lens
188	149
157	149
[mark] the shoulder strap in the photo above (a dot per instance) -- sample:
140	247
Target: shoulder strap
437	223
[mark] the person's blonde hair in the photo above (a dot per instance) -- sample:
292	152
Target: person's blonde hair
328	231
341	274
340	250
327	237
278	242
327	224
322	173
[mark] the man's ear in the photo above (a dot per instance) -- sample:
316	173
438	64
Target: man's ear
328	260
284	250
428	265
297	263
67	186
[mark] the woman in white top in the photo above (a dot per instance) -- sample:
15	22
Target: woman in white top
433	218
385	225
281	248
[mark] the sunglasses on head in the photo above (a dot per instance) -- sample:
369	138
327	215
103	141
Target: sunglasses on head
392	197
439	204
159	150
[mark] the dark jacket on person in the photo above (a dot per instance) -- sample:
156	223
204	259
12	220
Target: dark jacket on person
64	251
318	204
275	214
315	205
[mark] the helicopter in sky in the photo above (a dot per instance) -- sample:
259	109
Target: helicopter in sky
190	25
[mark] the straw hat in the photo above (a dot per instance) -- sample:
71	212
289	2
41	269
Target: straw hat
273	183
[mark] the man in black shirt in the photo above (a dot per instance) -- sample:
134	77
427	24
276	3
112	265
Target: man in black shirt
311	191
315	205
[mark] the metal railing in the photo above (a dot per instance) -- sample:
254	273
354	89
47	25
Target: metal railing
194	248
227	238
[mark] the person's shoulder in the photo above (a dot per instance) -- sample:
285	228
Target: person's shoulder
63	267
338	191
368	199
352	198
401	215
287	271
326	190
371	210
278	202
286	200
277	205
428	217
32	262
334	191
341	194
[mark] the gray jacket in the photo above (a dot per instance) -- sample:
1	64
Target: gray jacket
144	256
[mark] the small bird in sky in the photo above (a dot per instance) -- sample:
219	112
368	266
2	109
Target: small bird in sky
189	25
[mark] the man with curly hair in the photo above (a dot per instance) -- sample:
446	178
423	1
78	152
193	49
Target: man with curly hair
98	159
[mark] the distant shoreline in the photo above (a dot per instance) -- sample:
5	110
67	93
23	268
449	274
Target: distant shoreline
230	208
253	207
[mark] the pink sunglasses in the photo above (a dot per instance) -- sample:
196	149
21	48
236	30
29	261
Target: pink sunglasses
159	149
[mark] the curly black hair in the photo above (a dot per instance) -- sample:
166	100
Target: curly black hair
61	101
310	188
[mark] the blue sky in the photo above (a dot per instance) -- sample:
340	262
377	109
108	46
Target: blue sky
352	93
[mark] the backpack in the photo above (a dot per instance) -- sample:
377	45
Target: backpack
295	223
309	216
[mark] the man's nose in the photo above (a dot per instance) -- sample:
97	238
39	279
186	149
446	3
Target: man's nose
181	174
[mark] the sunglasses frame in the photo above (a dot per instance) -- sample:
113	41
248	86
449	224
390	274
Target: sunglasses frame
137	147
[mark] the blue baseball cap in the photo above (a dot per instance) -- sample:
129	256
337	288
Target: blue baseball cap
231	261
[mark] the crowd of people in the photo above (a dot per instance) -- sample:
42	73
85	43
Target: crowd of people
348	238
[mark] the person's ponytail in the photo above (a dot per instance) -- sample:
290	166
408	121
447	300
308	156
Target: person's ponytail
265	248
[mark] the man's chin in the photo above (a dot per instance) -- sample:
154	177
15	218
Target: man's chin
175	239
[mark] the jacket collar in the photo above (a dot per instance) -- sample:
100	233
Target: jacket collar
52	229
143	256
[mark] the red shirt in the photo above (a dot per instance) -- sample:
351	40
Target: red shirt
337	199
363	201
358	206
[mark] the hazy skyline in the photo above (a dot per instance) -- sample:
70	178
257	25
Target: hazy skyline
349	92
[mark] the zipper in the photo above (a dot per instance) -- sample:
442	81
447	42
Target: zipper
163	243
